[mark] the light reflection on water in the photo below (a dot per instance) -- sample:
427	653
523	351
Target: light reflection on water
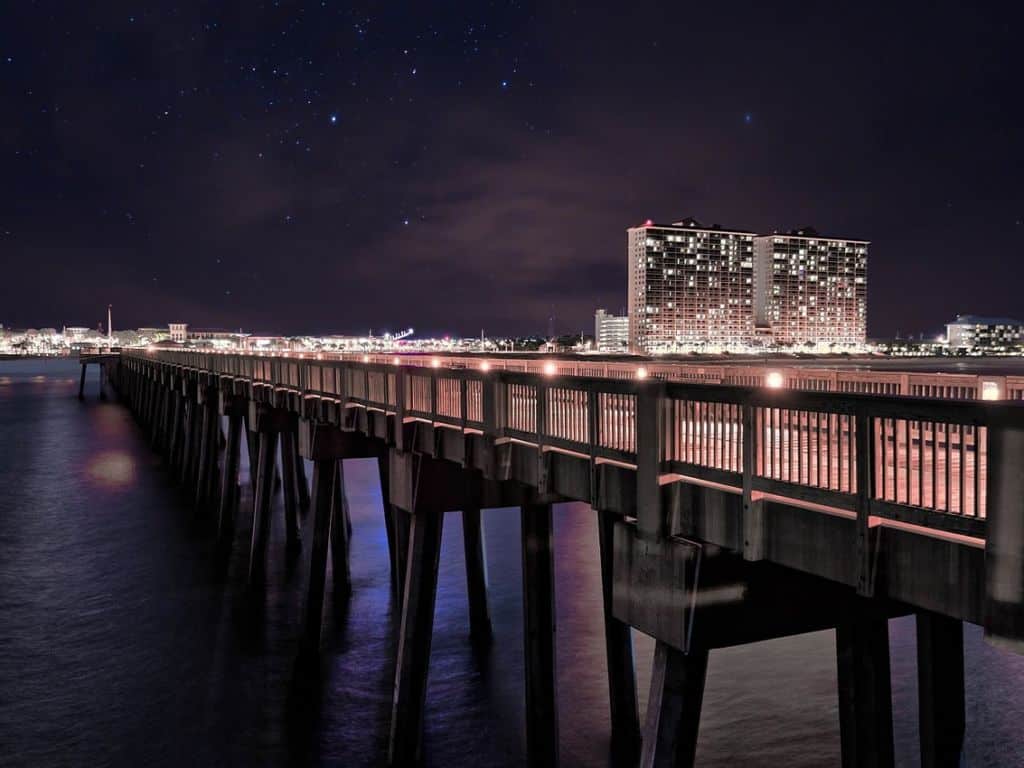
122	643
111	469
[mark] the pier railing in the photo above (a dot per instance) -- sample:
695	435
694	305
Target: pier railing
919	460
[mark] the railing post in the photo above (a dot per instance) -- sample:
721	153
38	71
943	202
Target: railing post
400	383
541	423
753	509
433	395
593	441
489	404
649	436
1004	540
463	400
865	460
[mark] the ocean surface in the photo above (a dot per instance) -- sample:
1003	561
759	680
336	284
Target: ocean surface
125	642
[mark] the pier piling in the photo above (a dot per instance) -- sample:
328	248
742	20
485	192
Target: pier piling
865	691
940	688
674	706
539	635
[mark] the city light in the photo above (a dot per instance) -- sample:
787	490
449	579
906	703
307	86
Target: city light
774	380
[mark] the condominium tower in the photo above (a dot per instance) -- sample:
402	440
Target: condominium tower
811	291
698	288
690	287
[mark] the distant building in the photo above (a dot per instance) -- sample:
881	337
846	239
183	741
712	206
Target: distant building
691	287
217	337
976	332
178	332
154	334
811	290
611	332
74	333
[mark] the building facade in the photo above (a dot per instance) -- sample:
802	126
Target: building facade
178	332
691	287
972	332
811	291
611	332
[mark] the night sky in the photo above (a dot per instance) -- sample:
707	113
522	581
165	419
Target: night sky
336	167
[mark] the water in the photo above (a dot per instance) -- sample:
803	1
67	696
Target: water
123	643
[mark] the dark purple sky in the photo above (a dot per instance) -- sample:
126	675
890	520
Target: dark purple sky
334	166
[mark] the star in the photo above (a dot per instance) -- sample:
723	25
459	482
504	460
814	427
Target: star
748	118
333	119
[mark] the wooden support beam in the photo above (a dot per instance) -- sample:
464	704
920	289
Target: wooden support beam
291	493
188	443
323	501
414	638
164	429
618	639
207	452
229	480
252	450
402	523
673	709
940	688
384	469
865	691
300	474
340	535
177	431
81	383
539	635
261	509
476	575
103	392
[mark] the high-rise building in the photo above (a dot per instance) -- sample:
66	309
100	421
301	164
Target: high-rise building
611	332
811	291
691	287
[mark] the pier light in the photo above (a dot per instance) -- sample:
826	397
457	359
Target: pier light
773	380
366	358
485	366
396	361
550	368
990	390
641	372
435	363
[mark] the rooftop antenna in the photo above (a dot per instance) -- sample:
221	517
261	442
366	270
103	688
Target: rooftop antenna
110	327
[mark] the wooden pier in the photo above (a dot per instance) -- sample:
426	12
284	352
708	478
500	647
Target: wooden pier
716	504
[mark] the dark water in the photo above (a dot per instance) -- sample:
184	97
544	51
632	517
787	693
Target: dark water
121	643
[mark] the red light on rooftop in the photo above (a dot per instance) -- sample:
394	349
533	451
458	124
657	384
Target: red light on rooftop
649	223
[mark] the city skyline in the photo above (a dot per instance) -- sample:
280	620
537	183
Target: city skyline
205	166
